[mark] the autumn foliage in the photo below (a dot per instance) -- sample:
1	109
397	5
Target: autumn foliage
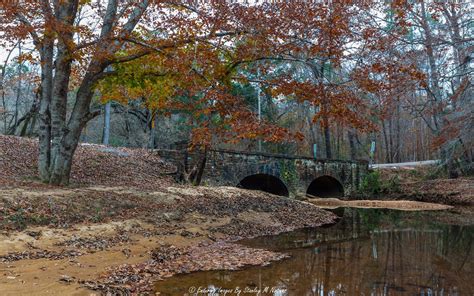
181	56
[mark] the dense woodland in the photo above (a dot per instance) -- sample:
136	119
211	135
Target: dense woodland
308	78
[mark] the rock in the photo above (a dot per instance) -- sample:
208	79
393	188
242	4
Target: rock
34	234
189	234
127	252
66	279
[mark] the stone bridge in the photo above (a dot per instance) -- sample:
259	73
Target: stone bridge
275	173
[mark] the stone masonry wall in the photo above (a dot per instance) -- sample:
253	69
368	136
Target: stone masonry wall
228	168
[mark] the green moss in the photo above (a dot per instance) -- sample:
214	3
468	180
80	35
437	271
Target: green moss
288	172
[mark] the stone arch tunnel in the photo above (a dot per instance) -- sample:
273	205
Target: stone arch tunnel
284	175
264	182
325	186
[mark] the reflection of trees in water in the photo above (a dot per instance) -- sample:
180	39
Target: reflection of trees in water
369	252
457	240
382	262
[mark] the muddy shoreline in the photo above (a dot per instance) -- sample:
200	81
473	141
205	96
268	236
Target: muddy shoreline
122	240
403	205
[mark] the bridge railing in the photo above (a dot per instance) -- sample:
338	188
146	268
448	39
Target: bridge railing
287	156
180	155
174	153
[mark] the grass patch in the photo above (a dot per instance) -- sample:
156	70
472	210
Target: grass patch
374	184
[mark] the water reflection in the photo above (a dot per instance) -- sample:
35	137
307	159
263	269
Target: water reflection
369	252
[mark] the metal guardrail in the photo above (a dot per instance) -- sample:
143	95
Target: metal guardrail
404	164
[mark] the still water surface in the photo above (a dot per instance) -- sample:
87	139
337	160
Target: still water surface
368	252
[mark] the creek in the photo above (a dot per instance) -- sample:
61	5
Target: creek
368	252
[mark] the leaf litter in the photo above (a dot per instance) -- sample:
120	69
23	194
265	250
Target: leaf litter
134	184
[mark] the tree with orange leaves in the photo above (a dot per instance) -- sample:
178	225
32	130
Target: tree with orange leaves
77	40
199	48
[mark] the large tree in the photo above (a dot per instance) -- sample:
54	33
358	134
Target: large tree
201	46
77	40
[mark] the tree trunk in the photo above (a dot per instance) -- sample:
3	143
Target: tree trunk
338	141
106	129
61	168
151	123
127	125
390	139
62	146
59	103
18	90
327	141
2	90
24	121
398	156
352	146
44	158
192	173
313	134
463	102
58	140
385	138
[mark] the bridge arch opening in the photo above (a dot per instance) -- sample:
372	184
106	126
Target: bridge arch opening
325	186
264	182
